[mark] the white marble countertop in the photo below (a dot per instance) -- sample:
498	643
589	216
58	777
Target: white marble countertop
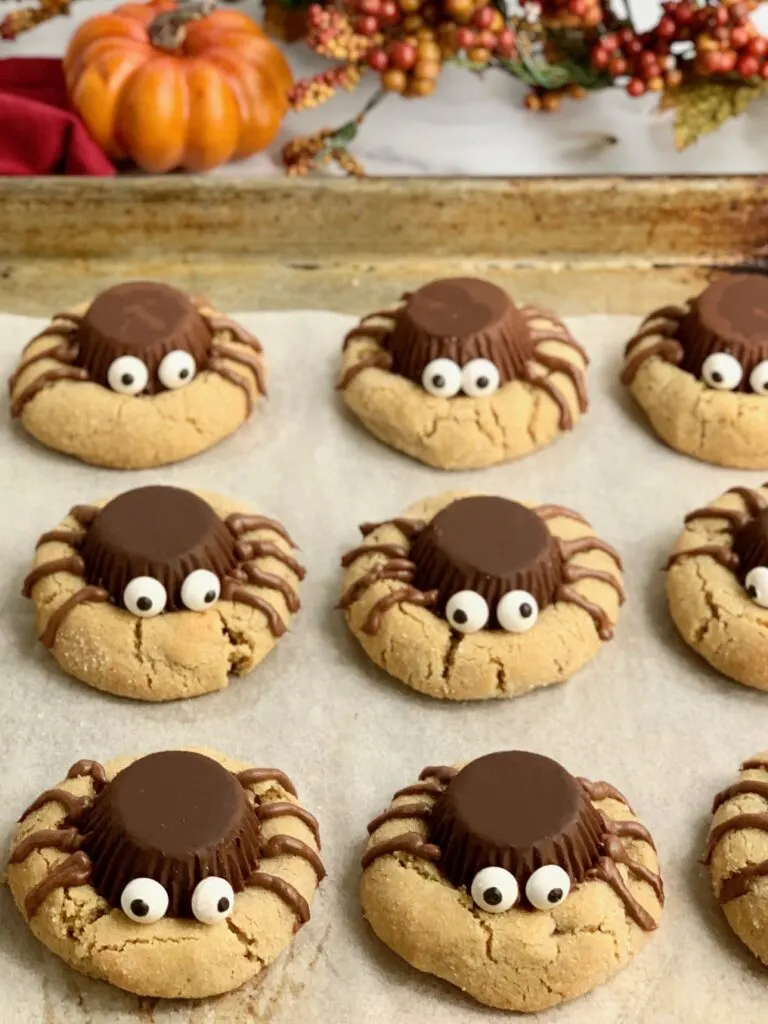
477	126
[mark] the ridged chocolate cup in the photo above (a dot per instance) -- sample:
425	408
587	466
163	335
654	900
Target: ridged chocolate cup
490	545
751	544
731	315
518	811
162	532
459	318
144	319
176	817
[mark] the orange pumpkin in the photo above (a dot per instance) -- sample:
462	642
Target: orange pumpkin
165	91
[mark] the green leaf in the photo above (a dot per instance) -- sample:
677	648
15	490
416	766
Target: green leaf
702	106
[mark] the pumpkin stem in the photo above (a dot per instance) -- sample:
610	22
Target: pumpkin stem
169	29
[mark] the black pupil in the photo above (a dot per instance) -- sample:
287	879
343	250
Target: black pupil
717	378
210	597
482	382
139	908
223	905
460	616
127	379
555	895
526	611
438	381
183	374
752	591
144	604
492	896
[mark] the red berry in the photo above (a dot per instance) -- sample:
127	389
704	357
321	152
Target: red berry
648	59
721	34
739	37
618	67
505	41
609	43
649	71
633	48
721	16
487	40
378	60
578	8
483	17
390	12
710	62
739	13
367	25
465	38
748	66
403	56
369	7
684	14
635	87
764	71
626	35
758	47
600	58
666	28
727	61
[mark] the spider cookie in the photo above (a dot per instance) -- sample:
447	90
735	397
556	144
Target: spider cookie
161	593
700	373
717	584
142	376
176	875
467	597
737	854
460	377
510	878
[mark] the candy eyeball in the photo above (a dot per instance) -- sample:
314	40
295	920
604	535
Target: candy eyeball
127	375
479	377
200	590
495	890
144	901
517	611
213	900
145	596
442	378
756	585
758	379
722	371
547	887
176	370
467	611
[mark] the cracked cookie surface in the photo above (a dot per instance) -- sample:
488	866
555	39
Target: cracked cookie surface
520	959
173	655
737	854
91	422
418	647
174	957
537	400
707	592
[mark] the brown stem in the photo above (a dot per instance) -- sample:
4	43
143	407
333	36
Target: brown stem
169	29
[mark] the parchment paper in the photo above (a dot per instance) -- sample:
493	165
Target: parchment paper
646	714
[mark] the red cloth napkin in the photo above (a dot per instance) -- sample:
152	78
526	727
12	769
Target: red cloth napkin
39	131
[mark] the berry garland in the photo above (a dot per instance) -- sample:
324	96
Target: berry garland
705	57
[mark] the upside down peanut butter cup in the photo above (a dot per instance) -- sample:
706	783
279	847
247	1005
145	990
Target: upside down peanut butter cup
731	315
489	545
161	532
460	318
750	543
144	319
175	817
515	810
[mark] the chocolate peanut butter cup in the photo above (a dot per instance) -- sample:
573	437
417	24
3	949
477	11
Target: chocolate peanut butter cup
729	316
164	533
175	817
488	545
518	811
461	319
750	543
145	320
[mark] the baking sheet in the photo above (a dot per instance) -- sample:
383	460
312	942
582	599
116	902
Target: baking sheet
646	714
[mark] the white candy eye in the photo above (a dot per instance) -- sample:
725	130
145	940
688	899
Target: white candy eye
722	371
467	611
756	584
200	590
442	378
758	379
144	900
127	375
145	597
517	611
479	377
495	890
176	369
213	900
547	887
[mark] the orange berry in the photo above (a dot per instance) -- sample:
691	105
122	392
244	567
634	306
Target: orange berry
478	55
409	6
422	87
655	84
532	101
394	80
413	22
550	102
427	69
428	50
